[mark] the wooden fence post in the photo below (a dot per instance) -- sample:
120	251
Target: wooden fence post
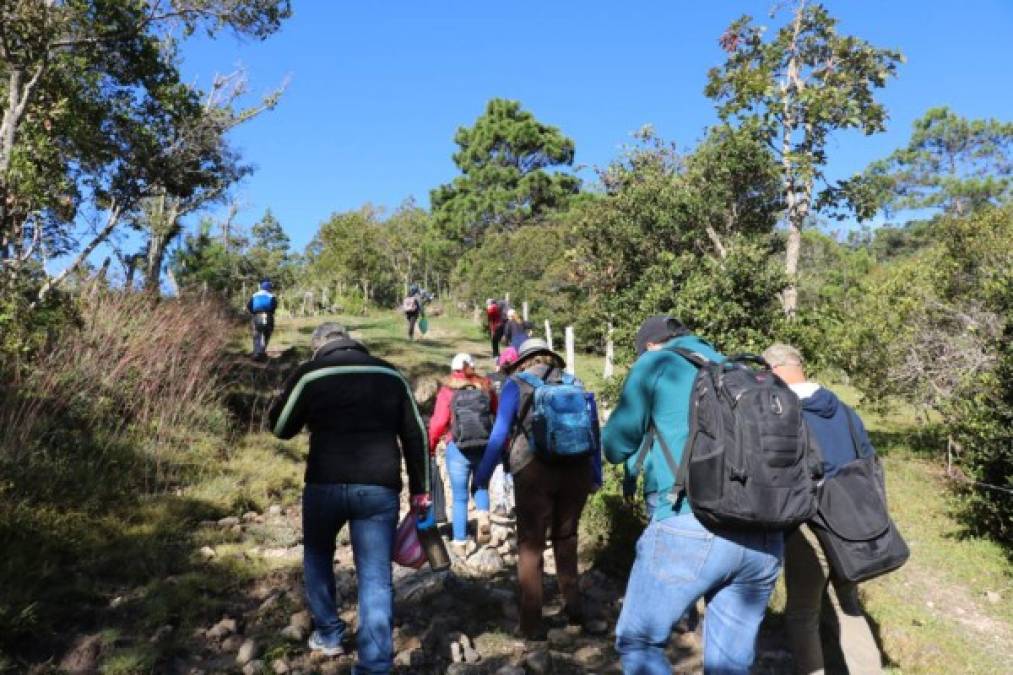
524	310
608	370
548	334
570	366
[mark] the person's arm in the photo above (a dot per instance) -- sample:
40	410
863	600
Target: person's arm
249	305
509	400
493	398
440	421
274	303
413	445
626	426
287	415
864	443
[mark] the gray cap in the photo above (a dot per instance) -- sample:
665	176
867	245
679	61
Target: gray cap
326	332
533	347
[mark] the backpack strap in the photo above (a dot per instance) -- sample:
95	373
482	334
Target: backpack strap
856	440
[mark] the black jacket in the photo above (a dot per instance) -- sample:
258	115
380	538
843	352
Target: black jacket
356	408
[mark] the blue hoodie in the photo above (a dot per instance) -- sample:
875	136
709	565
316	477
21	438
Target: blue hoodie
827	417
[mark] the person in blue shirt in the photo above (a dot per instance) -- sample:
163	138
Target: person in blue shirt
679	560
262	307
548	495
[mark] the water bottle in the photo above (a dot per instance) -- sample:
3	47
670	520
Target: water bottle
432	542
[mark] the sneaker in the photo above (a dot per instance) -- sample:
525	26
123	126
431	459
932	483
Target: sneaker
327	648
484	530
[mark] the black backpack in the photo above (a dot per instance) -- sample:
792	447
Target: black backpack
747	461
470	418
852	523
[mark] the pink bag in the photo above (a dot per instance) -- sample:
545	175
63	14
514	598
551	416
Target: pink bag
407	548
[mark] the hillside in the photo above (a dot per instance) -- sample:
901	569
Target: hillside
181	582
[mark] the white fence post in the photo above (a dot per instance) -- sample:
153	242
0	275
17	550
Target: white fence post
608	370
569	350
548	334
524	310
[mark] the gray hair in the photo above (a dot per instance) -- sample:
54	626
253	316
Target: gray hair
326	332
780	354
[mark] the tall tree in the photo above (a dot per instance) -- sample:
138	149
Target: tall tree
97	118
505	179
797	89
951	163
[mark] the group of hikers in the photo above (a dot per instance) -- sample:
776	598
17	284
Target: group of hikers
533	426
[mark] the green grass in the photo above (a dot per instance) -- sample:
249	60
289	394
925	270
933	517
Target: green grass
65	566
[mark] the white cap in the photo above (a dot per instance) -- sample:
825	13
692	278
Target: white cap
461	360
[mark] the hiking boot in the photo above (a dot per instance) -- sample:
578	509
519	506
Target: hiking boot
484	530
459	548
330	647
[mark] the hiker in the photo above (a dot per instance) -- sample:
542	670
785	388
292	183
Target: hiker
357	408
514	331
806	570
413	307
501	485
464	412
551	483
678	560
494	319
262	306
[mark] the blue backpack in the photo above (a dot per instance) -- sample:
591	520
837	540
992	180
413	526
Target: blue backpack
560	418
261	302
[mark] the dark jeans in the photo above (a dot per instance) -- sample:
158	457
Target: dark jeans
548	496
371	511
413	318
497	337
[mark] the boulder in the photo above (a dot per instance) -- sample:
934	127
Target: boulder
222	629
247	652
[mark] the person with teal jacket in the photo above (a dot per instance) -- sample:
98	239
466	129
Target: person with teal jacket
679	560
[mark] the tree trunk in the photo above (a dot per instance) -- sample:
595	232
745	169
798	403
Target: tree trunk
797	208
111	221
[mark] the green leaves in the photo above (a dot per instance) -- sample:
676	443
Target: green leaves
505	161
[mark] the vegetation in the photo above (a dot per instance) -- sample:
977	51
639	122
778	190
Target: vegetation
117	445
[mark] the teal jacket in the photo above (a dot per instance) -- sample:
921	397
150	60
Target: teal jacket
657	389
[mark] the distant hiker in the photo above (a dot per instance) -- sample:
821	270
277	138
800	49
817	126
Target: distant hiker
501	485
807	573
494	318
413	307
262	307
464	413
515	332
362	420
678	559
549	458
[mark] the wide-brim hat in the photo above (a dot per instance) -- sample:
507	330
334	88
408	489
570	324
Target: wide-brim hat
534	347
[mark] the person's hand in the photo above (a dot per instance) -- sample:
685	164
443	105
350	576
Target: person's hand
420	503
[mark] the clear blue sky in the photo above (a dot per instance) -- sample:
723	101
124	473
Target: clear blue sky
378	88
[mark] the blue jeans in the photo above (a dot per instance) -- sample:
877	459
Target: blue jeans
679	561
371	511
461	468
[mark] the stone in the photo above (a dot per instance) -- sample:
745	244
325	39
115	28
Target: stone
596	627
470	655
207	552
510	559
302	620
222	629
275	510
250	516
560	637
247	652
160	634
229	521
538	662
253	668
510	670
456	655
588	656
269	602
83	656
293	633
486	561
232	644
279	666
993	597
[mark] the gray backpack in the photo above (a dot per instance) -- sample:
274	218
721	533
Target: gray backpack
747	461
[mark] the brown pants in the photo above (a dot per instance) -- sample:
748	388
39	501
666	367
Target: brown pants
807	577
548	496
